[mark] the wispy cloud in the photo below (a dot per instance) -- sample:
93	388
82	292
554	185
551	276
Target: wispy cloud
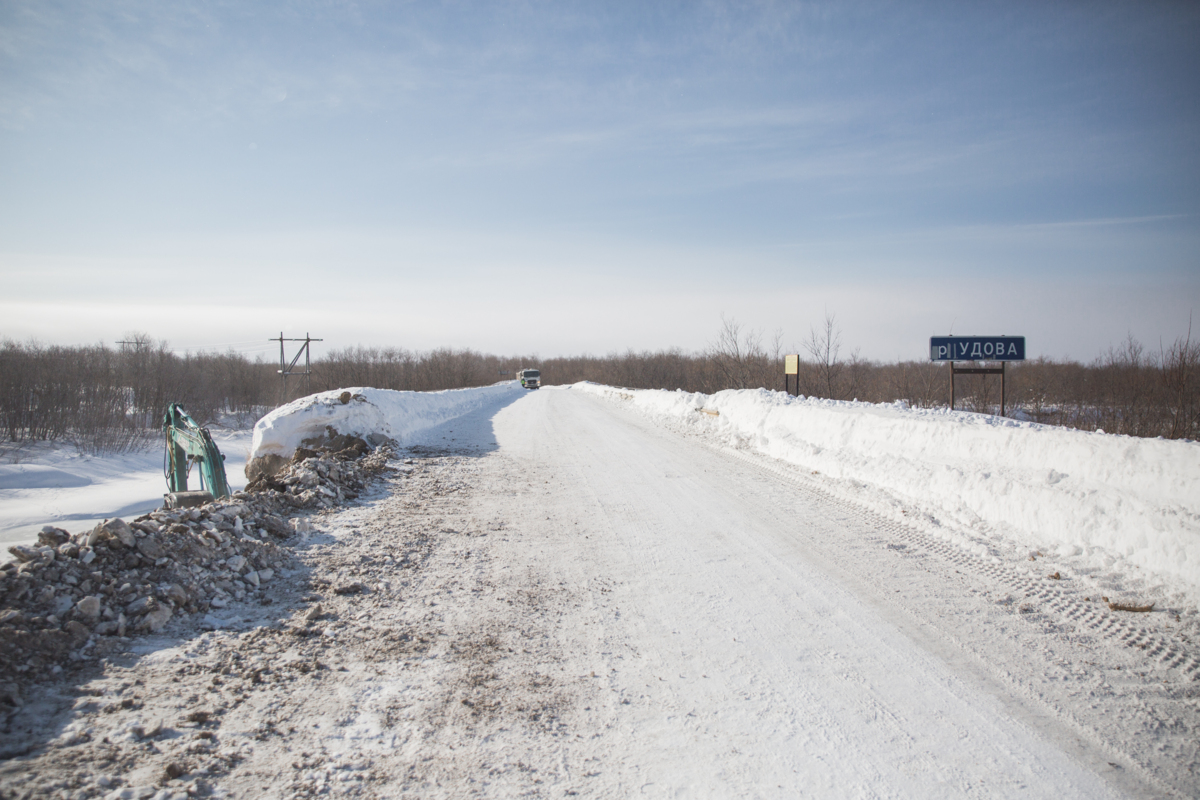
1105	221
749	143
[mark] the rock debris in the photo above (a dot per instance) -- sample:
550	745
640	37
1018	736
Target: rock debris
74	598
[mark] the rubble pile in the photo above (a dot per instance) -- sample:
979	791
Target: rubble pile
73	598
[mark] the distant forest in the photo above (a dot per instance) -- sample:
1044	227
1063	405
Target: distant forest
106	399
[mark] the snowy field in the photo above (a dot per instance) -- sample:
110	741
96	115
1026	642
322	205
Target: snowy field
55	484
601	592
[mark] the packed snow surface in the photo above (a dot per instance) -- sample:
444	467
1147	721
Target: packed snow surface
398	415
1101	497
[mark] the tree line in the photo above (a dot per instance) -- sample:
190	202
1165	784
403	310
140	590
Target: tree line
111	399
105	399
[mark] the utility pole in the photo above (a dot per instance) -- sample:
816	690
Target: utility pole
289	369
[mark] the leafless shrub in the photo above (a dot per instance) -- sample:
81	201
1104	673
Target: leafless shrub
739	358
825	369
1179	366
921	384
405	370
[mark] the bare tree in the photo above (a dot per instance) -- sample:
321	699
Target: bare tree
824	346
734	355
856	376
1180	367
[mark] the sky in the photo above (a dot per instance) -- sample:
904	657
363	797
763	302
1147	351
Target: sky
564	178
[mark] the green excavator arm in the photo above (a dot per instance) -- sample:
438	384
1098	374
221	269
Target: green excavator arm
188	443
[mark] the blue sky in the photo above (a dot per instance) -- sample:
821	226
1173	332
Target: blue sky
588	177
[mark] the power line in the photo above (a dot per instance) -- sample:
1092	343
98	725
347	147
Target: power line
284	372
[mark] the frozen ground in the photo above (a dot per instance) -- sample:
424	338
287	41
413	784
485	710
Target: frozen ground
569	595
55	484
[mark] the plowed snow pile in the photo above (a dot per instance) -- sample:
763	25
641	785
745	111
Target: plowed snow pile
1099	497
367	412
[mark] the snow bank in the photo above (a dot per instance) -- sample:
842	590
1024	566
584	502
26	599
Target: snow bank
1085	493
401	416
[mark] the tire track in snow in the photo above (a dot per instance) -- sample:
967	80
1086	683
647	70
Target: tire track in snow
1067	667
822	665
1113	626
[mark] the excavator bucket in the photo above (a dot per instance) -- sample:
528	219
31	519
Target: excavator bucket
187	499
188	444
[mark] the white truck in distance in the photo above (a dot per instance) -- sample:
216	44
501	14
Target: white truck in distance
530	378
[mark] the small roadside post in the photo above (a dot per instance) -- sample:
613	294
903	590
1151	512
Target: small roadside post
977	348
791	366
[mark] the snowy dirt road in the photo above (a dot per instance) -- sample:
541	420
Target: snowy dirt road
559	598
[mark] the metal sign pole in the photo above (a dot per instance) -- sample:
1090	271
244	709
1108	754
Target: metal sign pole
791	366
975	349
952	374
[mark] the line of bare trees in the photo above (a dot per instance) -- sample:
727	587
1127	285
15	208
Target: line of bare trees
106	399
407	370
738	358
1129	390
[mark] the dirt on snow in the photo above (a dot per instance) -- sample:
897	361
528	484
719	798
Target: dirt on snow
380	637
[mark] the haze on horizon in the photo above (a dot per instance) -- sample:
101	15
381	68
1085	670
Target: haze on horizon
568	177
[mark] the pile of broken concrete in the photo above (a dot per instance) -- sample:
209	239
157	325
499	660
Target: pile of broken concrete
74	598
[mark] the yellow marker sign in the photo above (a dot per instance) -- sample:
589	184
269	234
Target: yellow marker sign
791	365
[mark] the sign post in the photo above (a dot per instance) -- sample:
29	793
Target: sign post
791	366
977	348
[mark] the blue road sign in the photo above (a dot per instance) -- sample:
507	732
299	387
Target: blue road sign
976	348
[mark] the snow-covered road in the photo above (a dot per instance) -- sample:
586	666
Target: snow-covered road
770	640
567	598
